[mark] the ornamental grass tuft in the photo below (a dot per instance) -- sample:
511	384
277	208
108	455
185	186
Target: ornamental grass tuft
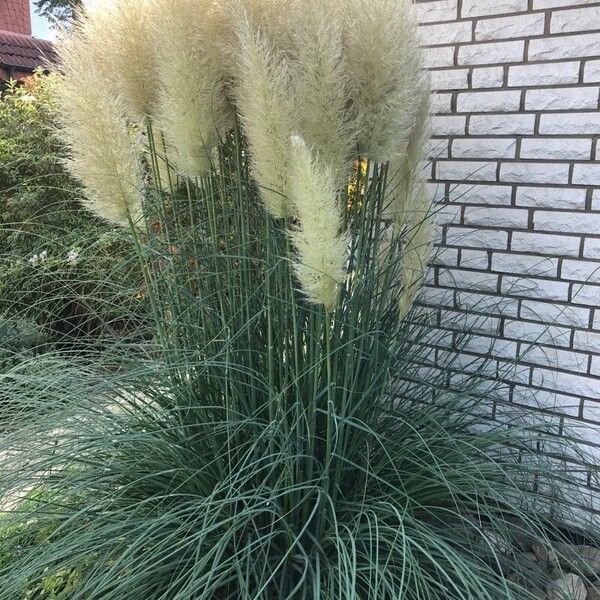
282	433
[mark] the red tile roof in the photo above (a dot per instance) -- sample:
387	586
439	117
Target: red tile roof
24	52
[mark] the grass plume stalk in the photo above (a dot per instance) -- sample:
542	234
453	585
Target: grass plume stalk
388	81
320	78
119	32
192	108
322	249
105	155
266	108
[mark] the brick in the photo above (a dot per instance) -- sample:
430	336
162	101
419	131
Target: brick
577	19
436	191
496	217
534	172
467	363
487	77
567	382
546	400
566	222
595	370
556	148
454	170
538	289
587	340
446	257
484	148
440	10
550	357
446	214
539	333
504	101
437	296
490	53
449	79
515	373
446	33
470	322
475	259
509	27
544	74
566	46
570	123
558	245
476	238
591	410
471	280
481	194
495	305
448	125
591	248
558	314
562	98
586	174
581	270
442	56
538	4
501	124
441	103
591	73
490	346
525	264
543	197
477	8
588	295
438	148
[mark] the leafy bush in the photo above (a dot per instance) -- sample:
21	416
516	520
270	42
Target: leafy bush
60	267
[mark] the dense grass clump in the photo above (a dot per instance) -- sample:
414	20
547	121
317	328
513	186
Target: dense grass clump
261	447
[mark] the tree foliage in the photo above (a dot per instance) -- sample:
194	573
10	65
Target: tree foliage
62	10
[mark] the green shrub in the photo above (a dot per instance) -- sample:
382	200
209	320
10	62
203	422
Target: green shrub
60	267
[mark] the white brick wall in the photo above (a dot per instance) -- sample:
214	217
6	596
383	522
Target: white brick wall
517	129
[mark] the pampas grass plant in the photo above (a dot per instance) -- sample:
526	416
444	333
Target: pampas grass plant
283	434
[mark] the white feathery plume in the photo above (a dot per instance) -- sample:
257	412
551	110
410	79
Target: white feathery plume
262	95
322	250
320	84
104	155
406	171
193	110
382	51
120	34
271	17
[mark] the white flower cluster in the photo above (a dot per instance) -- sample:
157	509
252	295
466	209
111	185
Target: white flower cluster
72	258
40	258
